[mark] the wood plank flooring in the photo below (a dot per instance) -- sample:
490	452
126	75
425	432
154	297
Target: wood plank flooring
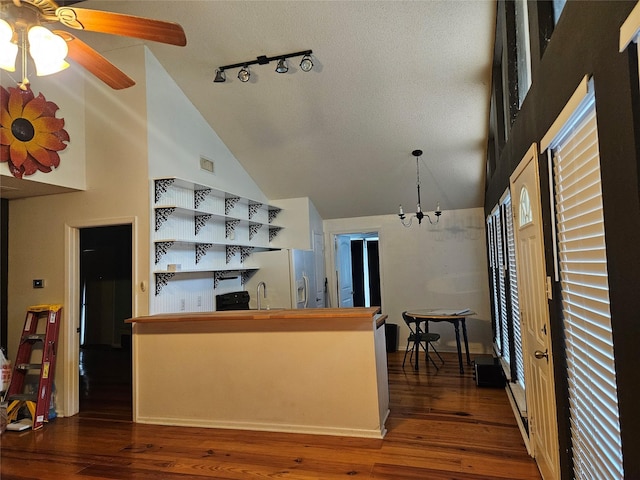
441	427
105	383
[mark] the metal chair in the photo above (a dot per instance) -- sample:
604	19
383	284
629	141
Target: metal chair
419	339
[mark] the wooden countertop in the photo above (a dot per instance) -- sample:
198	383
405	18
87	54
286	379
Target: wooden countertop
280	314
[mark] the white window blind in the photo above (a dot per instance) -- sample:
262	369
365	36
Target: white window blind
513	291
593	401
502	258
494	269
502	291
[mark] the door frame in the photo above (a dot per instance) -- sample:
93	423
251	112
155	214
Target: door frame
330	265
535	396
70	344
344	271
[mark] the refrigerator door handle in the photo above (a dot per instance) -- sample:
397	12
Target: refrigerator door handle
306	290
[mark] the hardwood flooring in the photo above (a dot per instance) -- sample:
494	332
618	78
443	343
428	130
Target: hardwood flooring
105	383
441	426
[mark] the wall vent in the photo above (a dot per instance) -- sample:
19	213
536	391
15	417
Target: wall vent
206	164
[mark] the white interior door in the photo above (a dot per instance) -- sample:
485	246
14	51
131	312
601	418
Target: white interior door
343	271
534	315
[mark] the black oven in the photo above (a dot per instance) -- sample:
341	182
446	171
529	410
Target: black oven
232	301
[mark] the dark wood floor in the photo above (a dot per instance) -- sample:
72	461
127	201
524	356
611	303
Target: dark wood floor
105	383
441	427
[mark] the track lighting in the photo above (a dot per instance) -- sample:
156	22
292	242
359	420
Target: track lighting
306	65
282	66
244	75
220	76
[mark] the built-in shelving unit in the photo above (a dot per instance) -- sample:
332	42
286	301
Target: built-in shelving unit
201	238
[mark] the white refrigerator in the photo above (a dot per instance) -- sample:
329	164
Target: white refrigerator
289	276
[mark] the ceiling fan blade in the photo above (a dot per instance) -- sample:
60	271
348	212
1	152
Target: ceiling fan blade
95	63
120	24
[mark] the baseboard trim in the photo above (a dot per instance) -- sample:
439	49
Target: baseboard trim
266	427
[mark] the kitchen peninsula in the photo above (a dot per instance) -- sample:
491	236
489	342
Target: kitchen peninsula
317	371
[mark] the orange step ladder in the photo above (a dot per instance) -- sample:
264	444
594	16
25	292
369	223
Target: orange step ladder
38	401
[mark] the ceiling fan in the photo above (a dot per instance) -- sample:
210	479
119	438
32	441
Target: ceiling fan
22	15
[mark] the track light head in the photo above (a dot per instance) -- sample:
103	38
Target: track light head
220	76
244	75
306	64
282	66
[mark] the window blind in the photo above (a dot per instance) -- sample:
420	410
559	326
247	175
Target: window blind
502	258
502	290
491	229
513	292
593	404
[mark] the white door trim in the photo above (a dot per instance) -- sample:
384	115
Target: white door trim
70	345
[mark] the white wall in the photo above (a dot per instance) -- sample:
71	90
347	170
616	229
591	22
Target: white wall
299	219
178	135
428	266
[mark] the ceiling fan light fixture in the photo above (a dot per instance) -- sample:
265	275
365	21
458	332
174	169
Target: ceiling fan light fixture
8	49
282	66
48	51
221	77
306	64
244	75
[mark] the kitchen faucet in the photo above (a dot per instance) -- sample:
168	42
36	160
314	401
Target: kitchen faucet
264	292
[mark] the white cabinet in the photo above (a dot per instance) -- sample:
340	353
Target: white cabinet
201	238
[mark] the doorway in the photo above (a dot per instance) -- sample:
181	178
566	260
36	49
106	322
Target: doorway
534	315
105	340
358	268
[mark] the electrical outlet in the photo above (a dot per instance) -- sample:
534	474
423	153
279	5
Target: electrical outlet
182	305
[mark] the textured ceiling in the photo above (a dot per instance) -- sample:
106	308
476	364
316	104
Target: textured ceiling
389	77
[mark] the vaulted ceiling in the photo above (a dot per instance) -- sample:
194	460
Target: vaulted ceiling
389	77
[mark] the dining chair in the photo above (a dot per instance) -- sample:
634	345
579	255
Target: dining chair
421	339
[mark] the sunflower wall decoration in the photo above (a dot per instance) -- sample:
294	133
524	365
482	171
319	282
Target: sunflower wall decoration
30	134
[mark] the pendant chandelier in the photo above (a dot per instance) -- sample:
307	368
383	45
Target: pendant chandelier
419	213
